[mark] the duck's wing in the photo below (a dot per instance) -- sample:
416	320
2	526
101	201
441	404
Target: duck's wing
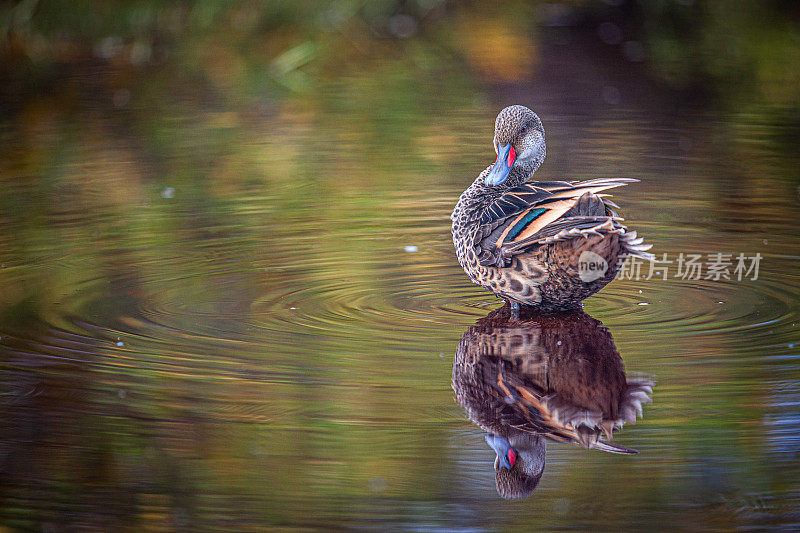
547	211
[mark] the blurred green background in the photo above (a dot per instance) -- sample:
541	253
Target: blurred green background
207	317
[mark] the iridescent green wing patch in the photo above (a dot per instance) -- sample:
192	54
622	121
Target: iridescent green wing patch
527	219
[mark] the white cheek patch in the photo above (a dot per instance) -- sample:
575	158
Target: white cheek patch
532	151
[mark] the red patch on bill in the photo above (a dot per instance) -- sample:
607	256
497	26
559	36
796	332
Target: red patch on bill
512	155
512	456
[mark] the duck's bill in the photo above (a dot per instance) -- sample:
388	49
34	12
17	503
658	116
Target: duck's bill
506	155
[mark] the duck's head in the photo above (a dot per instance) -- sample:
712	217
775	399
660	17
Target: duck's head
519	144
519	463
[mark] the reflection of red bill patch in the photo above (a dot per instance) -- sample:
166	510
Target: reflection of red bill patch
512	155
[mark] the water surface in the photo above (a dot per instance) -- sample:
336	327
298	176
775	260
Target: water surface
210	319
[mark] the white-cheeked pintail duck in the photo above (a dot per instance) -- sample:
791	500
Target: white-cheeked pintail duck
547	244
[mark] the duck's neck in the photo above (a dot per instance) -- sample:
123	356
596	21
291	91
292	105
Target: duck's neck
518	176
479	195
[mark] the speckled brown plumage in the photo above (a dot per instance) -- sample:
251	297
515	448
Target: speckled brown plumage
547	375
523	240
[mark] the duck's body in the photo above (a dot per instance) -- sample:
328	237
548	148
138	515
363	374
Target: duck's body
549	244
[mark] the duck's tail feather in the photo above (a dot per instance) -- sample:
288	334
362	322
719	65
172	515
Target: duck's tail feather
610	447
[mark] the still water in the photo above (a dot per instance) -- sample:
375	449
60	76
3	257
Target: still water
233	314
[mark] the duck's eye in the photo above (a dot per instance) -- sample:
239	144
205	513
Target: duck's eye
522	131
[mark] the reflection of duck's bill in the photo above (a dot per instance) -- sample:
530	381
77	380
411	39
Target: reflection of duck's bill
506	455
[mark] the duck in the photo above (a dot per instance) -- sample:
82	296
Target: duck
543	244
544	376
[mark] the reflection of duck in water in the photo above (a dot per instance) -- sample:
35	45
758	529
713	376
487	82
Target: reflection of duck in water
547	375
